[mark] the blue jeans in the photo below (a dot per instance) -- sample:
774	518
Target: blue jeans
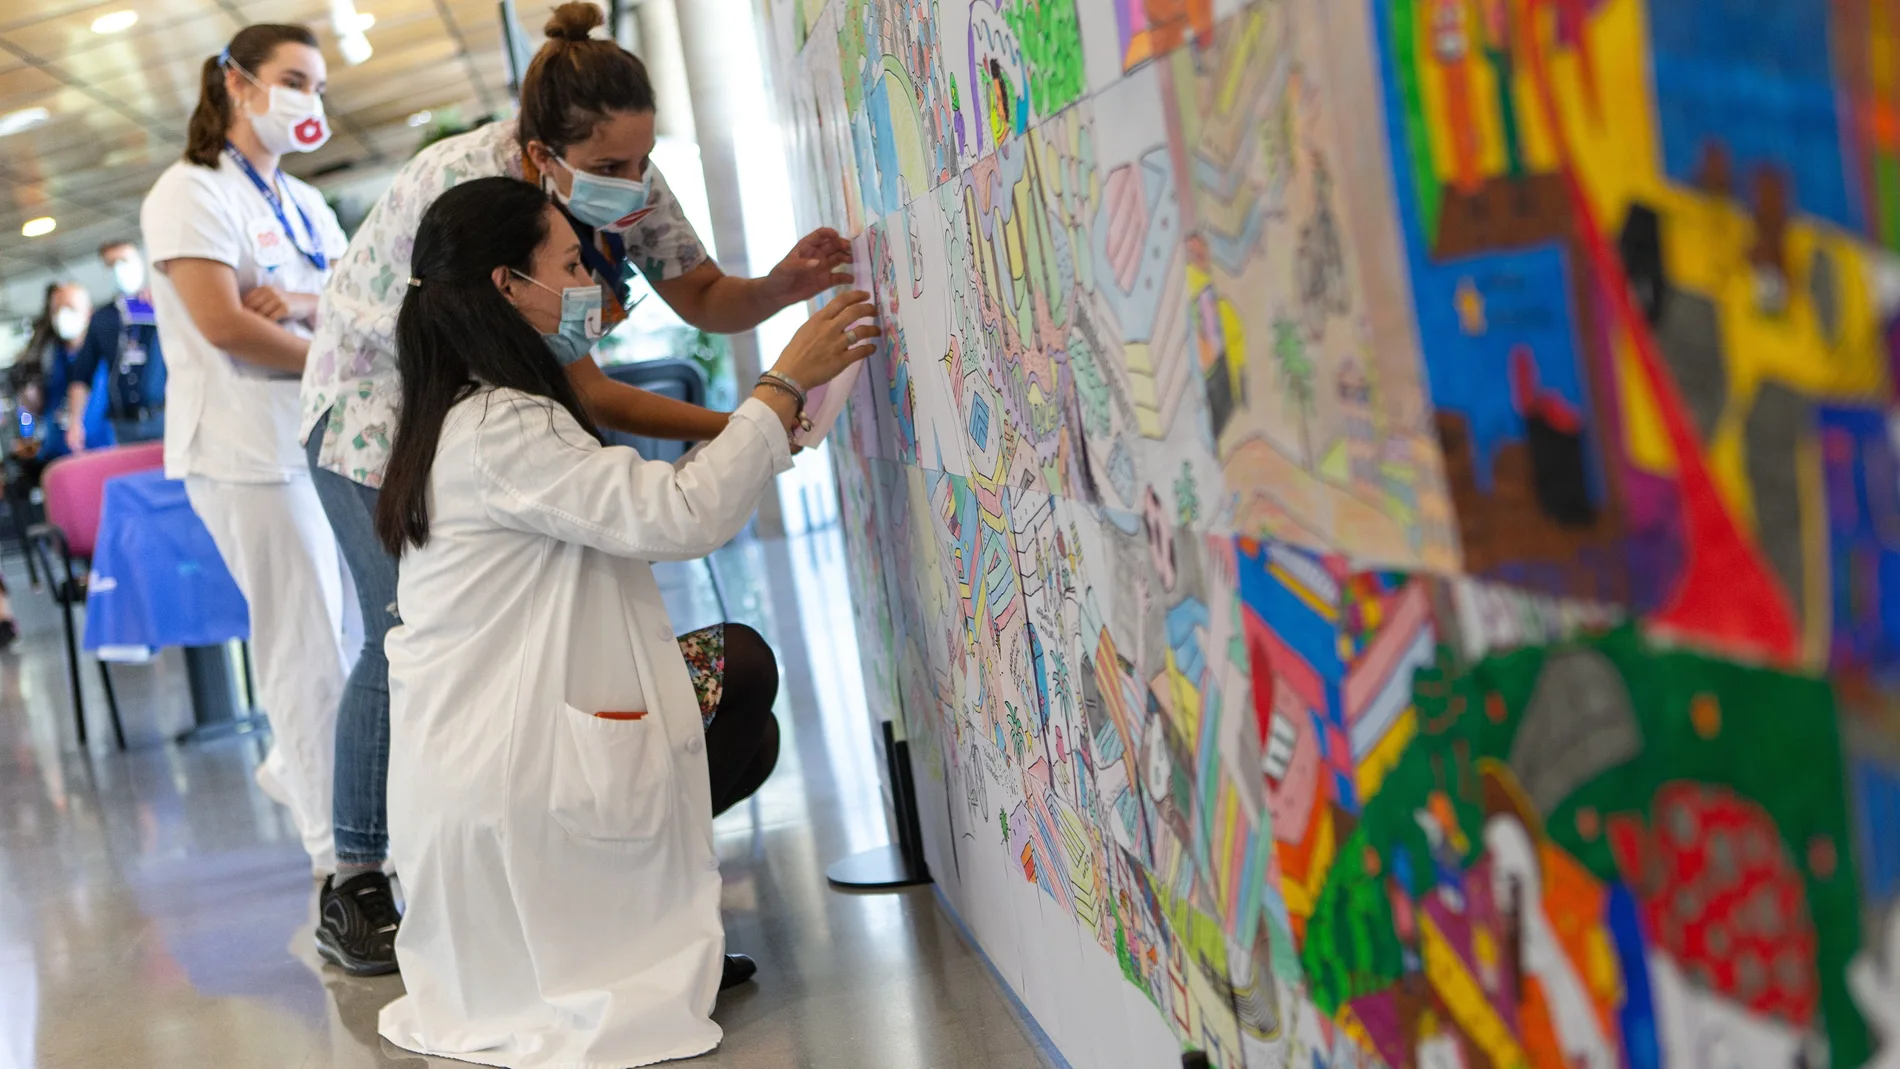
361	800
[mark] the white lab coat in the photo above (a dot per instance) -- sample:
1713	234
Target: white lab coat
563	892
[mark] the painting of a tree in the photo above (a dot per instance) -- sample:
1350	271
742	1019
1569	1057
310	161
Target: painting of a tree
1296	378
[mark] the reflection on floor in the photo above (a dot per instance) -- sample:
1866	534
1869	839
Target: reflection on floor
156	909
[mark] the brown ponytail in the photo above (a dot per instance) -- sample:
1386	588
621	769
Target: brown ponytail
577	80
250	49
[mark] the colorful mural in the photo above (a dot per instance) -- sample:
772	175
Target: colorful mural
1381	518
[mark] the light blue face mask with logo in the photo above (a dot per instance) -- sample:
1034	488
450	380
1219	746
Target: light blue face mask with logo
606	203
580	321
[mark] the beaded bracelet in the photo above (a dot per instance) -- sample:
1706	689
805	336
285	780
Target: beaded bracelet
776	376
786	387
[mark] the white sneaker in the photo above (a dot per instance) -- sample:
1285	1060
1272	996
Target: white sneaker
321	848
271	783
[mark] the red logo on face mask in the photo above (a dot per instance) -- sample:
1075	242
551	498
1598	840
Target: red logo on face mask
631	218
309	131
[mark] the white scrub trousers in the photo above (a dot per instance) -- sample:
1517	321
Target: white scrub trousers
278	546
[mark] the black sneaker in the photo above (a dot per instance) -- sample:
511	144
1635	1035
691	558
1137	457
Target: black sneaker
356	925
738	970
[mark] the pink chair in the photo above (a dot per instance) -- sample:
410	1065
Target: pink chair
74	487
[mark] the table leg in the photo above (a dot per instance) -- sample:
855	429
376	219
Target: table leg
215	703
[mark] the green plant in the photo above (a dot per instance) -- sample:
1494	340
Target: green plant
713	354
1296	376
447	123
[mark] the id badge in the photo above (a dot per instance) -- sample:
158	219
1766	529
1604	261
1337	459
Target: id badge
270	246
133	356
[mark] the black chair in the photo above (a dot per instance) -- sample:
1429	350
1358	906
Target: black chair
20	516
680	380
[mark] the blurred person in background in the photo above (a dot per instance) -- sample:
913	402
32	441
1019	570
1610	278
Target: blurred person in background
54	350
24	433
123	352
240	251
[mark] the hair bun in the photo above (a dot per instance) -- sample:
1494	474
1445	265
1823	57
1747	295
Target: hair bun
574	21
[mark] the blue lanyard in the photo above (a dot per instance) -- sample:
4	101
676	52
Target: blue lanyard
317	259
611	268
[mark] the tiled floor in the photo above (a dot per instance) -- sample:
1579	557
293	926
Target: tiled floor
156	909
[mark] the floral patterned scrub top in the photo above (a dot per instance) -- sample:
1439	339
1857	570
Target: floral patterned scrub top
351	370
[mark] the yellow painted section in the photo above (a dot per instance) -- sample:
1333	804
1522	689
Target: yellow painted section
1465	1000
907	132
1643	431
1251	29
1381	759
1354	1028
1302	892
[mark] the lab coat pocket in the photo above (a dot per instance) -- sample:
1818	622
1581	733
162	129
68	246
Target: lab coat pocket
612	779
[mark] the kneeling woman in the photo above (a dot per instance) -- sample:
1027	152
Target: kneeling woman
555	764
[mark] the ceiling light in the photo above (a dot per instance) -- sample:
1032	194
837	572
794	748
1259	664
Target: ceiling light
25	119
364	22
115	22
421	118
36	228
355	48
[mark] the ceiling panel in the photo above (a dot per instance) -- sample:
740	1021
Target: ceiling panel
166	94
118	104
17	83
182	45
57	36
119	185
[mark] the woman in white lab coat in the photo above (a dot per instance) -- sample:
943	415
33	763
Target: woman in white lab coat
242	250
553	771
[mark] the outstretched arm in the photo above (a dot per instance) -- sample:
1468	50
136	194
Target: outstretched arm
642	412
714	301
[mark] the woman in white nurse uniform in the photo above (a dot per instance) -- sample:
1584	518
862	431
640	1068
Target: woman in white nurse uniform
553	772
242	251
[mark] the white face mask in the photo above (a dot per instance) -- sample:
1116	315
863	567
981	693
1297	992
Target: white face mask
129	275
69	323
293	122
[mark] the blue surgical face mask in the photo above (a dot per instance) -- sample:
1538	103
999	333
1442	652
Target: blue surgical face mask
606	203
580	321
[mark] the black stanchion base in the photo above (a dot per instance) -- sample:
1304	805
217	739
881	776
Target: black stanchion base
879	869
901	864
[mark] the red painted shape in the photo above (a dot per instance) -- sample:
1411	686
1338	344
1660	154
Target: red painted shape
1721	894
1726	592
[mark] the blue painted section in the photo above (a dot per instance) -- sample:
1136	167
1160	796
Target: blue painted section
1526	298
1861	474
1041	669
1183	621
1309	635
1877	792
1526	302
1758	77
1135	307
1642	1049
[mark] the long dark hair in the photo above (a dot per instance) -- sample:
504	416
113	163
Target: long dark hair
577	79
456	333
250	49
30	365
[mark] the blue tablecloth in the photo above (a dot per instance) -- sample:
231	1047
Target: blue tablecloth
157	579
